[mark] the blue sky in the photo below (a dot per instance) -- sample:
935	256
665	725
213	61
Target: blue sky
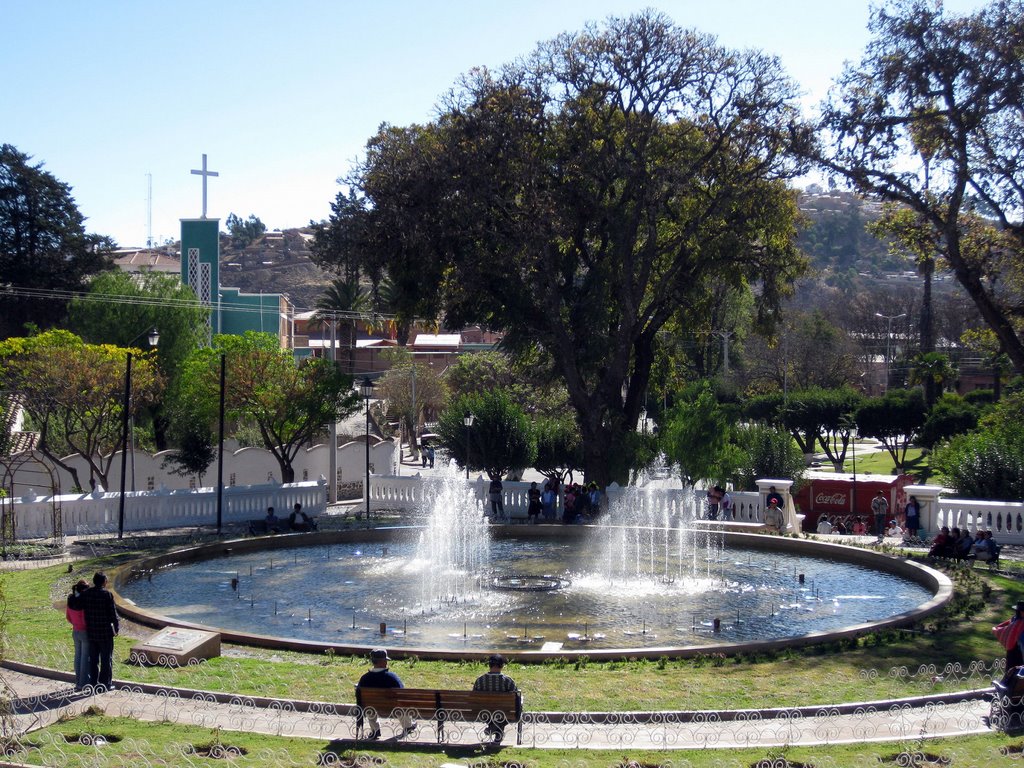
282	96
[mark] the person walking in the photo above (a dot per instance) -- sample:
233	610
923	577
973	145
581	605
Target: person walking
379	676
79	636
495	681
102	626
880	509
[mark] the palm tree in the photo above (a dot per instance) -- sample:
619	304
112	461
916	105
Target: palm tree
386	295
934	371
342	301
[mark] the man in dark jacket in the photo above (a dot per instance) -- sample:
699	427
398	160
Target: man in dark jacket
101	625
380	676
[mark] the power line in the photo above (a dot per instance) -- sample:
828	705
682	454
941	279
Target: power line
55	294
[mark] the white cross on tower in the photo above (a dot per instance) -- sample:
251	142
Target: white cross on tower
204	173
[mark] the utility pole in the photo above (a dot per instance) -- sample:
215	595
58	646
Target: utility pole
725	349
888	340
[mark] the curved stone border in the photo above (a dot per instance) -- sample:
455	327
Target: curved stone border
938	583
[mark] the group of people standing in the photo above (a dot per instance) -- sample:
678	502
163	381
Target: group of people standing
94	624
579	502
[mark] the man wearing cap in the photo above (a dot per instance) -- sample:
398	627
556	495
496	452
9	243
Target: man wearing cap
382	677
495	681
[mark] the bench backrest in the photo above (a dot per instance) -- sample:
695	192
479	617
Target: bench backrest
430	703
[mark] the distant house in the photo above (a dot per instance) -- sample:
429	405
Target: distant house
139	260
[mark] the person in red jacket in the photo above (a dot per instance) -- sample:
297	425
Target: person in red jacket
80	637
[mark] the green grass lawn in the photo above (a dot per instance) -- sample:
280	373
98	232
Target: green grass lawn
37	632
132	743
881	463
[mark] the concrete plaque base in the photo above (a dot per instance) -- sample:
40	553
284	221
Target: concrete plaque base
177	647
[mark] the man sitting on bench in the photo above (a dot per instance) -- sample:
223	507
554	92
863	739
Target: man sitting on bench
300	521
495	681
382	677
272	521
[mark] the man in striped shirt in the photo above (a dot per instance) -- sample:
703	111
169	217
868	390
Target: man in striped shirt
495	681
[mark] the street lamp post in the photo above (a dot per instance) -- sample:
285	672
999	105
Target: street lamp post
366	390
468	421
220	443
888	340
154	339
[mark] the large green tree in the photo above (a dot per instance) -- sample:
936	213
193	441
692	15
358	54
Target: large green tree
930	119
527	378
74	394
500	439
580	199
44	248
288	402
700	436
988	463
894	419
121	308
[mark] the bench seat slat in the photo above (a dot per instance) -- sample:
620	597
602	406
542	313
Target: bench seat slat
430	703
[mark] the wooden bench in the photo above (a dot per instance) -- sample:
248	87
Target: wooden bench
441	706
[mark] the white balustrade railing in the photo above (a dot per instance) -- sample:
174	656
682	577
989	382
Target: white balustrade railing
83	514
415	493
1004	518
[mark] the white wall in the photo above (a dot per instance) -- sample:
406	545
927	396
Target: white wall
244	466
97	513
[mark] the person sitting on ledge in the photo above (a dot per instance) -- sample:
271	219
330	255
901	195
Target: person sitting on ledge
300	521
943	544
962	546
774	519
272	521
984	547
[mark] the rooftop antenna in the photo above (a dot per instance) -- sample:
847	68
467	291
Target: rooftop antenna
149	210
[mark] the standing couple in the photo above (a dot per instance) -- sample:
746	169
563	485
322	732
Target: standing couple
94	624
719	501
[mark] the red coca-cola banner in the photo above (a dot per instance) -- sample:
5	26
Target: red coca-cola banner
842	497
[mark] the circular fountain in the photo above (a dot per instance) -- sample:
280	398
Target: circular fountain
638	584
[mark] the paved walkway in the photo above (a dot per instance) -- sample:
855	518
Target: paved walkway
41	700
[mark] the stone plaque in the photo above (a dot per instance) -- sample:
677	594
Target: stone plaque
177	647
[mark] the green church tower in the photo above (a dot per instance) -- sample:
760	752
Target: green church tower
200	256
231	310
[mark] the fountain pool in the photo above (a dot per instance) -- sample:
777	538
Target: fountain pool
537	590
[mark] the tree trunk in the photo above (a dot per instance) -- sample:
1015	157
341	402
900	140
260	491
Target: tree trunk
995	317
